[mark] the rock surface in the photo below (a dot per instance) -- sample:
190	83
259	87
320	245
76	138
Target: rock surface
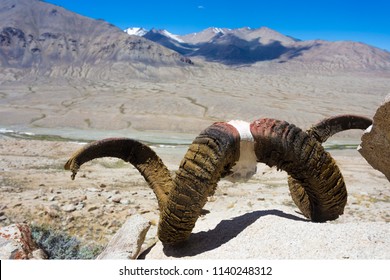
375	146
127	242
276	234
16	243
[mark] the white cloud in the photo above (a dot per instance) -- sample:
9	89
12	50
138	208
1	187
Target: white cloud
200	7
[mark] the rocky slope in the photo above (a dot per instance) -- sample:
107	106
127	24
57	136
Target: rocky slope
248	46
40	37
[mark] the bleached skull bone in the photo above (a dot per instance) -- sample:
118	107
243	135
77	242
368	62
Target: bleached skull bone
246	166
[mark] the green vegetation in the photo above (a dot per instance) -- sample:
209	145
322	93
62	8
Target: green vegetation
61	246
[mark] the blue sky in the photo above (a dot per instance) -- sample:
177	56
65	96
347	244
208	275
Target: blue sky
366	21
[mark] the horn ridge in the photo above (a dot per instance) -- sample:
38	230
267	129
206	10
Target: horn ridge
143	158
292	151
195	180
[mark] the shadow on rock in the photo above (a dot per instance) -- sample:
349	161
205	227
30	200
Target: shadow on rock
225	231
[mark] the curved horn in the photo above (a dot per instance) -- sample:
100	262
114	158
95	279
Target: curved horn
280	144
141	156
319	189
209	158
321	132
330	126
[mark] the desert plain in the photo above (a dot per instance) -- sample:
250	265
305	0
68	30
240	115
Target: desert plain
43	121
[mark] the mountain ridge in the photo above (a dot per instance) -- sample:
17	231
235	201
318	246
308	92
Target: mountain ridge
43	38
248	46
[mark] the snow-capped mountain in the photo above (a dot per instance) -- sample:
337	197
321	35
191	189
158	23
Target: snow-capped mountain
137	31
241	45
204	36
169	40
246	45
140	31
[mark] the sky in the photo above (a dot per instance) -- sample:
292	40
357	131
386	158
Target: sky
366	21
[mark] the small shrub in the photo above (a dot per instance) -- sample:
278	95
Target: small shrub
61	246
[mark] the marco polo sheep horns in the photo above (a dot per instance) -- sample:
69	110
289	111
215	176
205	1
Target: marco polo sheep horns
232	150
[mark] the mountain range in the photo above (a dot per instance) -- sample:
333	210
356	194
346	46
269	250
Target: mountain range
38	37
41	37
247	46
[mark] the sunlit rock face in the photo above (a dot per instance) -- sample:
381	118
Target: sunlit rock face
375	146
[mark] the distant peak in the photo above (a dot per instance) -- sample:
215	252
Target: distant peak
138	31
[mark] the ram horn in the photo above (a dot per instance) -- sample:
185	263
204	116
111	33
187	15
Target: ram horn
141	156
330	126
280	144
223	148
321	132
210	157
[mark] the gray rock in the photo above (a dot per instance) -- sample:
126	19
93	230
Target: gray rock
52	210
375	146
125	201
127	241
80	206
52	198
116	198
93	190
2	217
39	254
93	208
69	208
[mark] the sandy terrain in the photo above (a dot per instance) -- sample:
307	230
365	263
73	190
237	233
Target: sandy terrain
210	93
35	188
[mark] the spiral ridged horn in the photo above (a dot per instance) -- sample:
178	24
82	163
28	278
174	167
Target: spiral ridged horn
330	126
315	181
280	144
141	156
321	132
209	157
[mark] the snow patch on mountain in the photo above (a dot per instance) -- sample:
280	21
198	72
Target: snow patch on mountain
172	36
138	31
218	30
